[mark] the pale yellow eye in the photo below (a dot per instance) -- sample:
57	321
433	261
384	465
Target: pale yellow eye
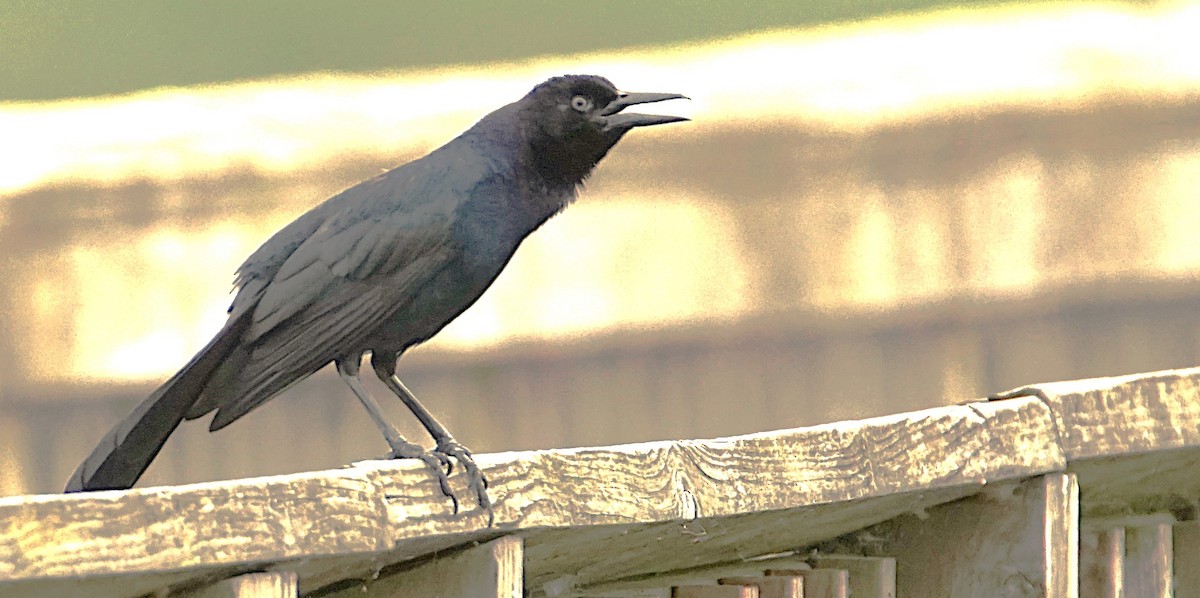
581	104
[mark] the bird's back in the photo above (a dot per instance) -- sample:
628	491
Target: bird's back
383	265
322	287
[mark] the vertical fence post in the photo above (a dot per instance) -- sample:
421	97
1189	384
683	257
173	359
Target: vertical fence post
1148	561
1016	540
491	570
273	584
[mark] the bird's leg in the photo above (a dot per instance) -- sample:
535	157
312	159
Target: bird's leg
401	448
385	368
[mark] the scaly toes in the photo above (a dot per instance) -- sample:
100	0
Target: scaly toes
440	469
476	482
441	461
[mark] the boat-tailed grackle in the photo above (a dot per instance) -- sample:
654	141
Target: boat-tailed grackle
381	267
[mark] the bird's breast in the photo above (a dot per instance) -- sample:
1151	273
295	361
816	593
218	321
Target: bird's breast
440	300
488	228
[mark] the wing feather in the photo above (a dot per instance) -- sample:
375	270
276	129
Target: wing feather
343	269
330	328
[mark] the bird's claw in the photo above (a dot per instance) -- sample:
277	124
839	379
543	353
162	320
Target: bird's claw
475	480
440	461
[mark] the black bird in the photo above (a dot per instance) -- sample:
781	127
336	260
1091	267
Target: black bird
381	267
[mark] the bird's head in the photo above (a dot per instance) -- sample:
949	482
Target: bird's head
574	120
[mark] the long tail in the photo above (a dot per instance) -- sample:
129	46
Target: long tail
127	450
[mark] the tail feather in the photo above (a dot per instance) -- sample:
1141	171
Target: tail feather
127	450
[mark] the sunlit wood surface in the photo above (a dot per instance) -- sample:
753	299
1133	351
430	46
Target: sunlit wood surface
934	214
627	518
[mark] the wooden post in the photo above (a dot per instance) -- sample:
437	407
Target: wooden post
1017	540
1102	563
491	570
1185	544
714	592
869	577
1148	556
822	583
770	587
273	584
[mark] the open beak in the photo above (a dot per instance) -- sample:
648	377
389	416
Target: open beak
615	120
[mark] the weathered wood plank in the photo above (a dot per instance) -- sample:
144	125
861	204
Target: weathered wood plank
836	464
490	570
822	583
253	585
1106	417
665	499
1102	563
714	592
206	528
631	514
1134	441
637	500
700	576
1060	533
870	577
1185	544
1014	540
679	480
687	546
770	587
1148	561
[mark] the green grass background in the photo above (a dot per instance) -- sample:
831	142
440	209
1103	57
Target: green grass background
65	48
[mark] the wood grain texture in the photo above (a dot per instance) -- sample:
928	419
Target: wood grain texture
595	518
1014	541
1102	563
1134	441
681	480
698	577
1148	561
590	515
714	592
490	570
253	585
770	587
822	583
1185	543
614	505
1106	417
869	577
1060	531
203	527
623	518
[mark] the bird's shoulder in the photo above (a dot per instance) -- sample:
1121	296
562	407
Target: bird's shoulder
418	196
370	231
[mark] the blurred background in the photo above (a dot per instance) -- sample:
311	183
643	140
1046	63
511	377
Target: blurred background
878	207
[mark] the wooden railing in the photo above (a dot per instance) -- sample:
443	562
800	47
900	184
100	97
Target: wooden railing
1085	488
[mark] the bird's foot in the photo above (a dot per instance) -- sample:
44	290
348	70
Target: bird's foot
475	481
438	462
